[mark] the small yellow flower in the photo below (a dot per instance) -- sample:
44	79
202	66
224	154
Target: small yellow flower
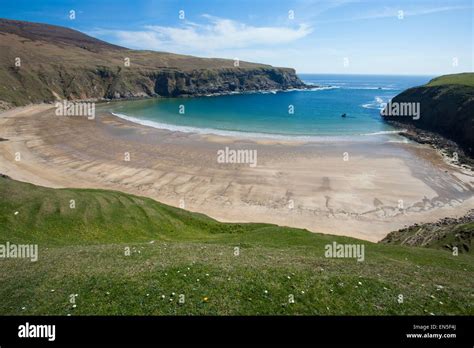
205	299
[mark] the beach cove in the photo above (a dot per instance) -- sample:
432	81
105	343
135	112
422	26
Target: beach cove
362	189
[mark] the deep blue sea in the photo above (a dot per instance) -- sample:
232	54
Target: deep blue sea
316	112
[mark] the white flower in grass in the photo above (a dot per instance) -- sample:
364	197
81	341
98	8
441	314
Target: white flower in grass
16	213
266	292
359	283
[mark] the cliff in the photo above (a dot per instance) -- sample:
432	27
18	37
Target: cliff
44	63
446	108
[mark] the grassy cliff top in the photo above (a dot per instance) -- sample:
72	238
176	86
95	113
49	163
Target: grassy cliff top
43	63
466	79
221	268
40	45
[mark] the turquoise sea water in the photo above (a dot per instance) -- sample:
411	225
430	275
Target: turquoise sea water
317	112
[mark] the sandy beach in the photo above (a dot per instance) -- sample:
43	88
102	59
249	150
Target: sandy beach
359	189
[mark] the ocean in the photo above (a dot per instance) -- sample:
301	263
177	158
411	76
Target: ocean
304	114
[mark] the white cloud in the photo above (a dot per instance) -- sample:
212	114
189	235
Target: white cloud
393	12
204	39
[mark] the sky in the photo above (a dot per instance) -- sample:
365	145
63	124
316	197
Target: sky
423	37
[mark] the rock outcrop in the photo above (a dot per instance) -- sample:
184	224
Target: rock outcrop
447	233
446	108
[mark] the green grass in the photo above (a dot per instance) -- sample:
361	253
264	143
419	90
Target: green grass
82	251
466	79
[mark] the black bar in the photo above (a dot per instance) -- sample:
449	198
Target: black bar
257	330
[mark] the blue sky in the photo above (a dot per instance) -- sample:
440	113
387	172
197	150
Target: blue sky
429	37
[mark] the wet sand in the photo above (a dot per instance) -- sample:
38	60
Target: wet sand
376	188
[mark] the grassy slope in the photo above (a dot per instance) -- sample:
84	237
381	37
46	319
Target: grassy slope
66	62
71	48
466	79
81	251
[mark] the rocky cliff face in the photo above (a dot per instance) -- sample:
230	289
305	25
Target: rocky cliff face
202	82
176	83
117	83
44	63
446	109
